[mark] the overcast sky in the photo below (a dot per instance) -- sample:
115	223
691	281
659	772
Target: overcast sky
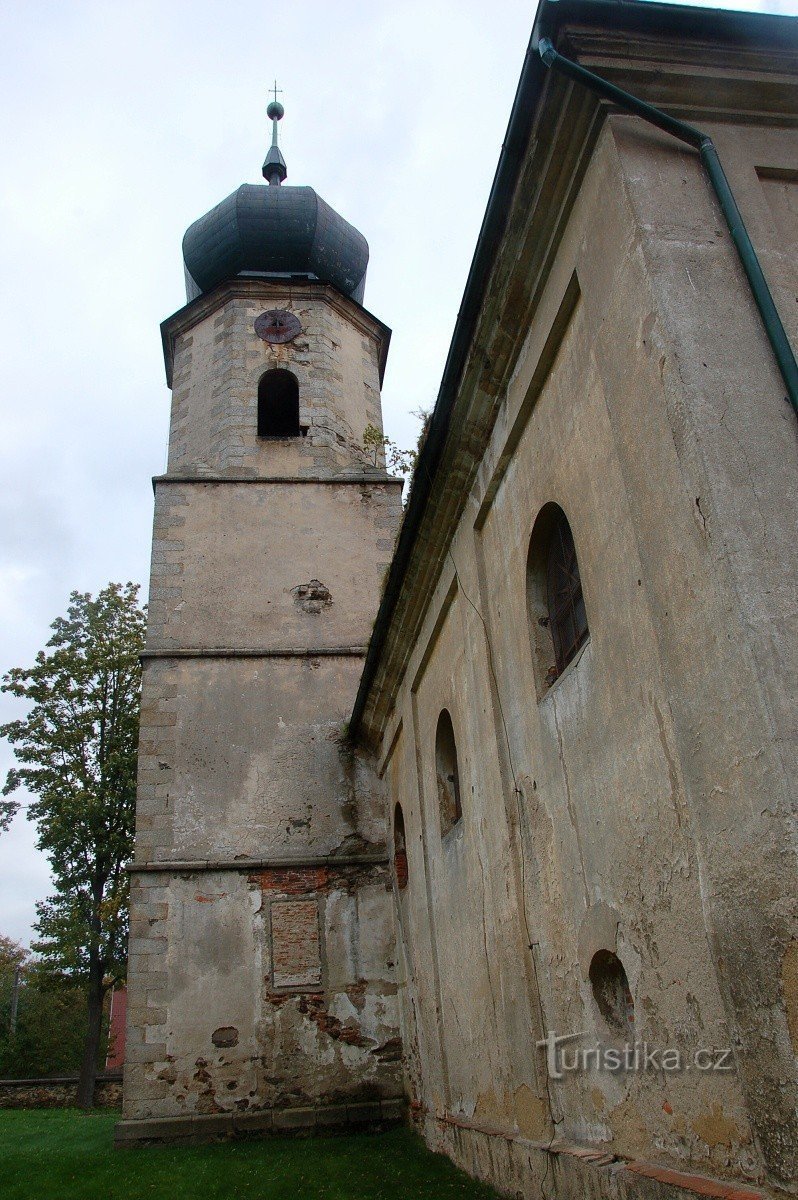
124	122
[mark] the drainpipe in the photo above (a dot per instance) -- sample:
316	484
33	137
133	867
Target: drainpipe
703	143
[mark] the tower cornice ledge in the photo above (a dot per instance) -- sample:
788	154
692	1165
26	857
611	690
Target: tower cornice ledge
274	862
361	478
254	652
265	289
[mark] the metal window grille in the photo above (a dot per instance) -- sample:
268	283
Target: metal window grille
567	615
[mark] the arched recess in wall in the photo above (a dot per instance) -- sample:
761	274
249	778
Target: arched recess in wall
555	602
278	404
447	773
399	849
612	993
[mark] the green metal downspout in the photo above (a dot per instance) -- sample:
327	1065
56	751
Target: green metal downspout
709	156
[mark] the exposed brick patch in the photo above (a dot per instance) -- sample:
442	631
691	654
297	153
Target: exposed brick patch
296	944
292	881
351	878
357	992
306	880
700	1184
278	999
311	597
390	1051
314	1008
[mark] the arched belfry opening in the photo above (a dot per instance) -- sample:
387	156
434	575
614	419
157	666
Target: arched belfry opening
278	405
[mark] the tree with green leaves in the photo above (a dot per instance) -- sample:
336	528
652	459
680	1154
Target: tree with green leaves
76	757
13	958
42	1017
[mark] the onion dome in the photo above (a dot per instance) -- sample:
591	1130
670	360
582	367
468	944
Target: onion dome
271	231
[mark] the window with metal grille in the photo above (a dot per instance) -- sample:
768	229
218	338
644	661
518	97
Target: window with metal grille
447	773
399	849
278	405
558	626
566	604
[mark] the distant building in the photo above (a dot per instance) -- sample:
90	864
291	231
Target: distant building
396	836
117	1021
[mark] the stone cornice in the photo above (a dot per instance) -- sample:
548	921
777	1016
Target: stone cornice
253	652
278	862
249	288
364	479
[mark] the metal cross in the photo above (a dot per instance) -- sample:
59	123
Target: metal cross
275	89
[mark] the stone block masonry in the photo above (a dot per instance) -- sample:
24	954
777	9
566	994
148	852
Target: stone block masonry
262	961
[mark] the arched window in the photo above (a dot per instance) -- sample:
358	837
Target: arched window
556	605
567	616
447	774
399	849
278	405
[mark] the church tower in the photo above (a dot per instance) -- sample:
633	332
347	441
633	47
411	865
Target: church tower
261	974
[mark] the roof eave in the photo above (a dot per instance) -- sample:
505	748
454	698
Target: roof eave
720	26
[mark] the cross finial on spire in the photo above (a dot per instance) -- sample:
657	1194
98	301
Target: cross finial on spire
274	168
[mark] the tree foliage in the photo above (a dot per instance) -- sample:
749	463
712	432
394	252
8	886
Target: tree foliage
76	757
376	444
12	955
50	1030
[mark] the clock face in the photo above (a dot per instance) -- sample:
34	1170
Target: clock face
276	325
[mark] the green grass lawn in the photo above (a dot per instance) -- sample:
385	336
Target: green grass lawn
62	1154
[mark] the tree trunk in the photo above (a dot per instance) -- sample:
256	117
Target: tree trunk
91	1047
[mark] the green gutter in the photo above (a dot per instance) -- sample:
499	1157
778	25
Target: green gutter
727	28
703	143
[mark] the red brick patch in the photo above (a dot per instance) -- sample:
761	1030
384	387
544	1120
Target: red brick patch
296	944
292	881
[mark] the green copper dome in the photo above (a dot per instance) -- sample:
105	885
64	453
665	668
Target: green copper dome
275	231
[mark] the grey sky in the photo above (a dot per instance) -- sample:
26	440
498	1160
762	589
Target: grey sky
124	122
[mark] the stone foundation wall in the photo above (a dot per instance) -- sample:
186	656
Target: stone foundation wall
517	1166
58	1093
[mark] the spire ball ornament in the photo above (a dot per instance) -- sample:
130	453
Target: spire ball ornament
274	232
274	168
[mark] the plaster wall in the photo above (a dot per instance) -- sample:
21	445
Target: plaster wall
245	757
223	575
213	1032
640	804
